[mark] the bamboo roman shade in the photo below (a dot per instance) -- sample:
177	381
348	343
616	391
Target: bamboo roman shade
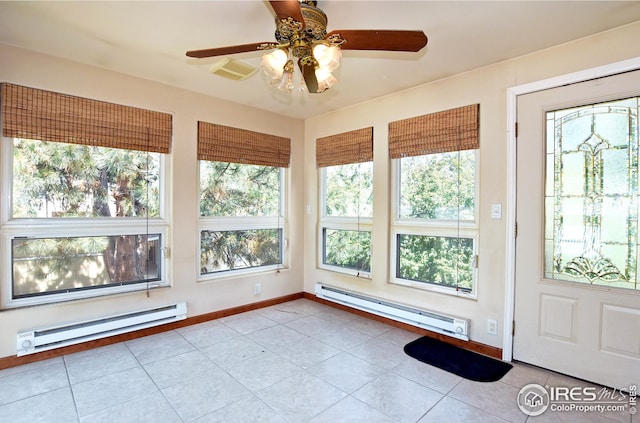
441	132
226	144
49	116
347	147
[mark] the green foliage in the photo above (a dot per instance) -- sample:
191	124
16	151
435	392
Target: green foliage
231	189
433	187
229	250
47	247
348	193
349	190
53	179
58	180
441	260
348	249
438	186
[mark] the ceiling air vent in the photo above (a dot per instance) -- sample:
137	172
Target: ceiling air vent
232	69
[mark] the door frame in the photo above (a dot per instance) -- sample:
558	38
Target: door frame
510	215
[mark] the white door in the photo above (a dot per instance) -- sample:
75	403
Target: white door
577	301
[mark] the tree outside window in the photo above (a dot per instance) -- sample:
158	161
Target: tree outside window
60	188
435	238
246	199
346	227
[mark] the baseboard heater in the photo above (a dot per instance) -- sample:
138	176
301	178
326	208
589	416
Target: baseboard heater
32	341
435	322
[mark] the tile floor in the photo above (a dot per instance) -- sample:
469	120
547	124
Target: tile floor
294	362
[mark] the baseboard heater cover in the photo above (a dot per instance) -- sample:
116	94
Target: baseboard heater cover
32	341
435	322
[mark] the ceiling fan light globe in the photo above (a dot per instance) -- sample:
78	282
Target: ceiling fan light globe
325	79
273	63
328	56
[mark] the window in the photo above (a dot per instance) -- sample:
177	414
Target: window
241	216
437	193
434	232
242	197
54	265
85	216
591	219
346	174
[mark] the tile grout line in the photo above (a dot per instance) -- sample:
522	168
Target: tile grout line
154	382
71	390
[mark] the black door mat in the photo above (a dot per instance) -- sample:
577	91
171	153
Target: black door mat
464	363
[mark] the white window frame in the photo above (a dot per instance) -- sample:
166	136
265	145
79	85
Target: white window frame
431	227
64	227
239	223
346	223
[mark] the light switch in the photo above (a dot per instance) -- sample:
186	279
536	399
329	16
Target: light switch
496	211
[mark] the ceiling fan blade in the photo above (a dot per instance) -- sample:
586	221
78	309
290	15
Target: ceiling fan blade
222	51
309	74
288	8
375	39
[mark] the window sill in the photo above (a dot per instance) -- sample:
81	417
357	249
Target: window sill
349	272
90	294
240	273
423	286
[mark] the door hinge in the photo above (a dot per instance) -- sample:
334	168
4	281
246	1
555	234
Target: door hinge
513	328
515	230
516	129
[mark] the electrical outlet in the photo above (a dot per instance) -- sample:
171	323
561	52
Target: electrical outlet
258	289
492	327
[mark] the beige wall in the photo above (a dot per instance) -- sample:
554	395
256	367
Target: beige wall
487	86
40	71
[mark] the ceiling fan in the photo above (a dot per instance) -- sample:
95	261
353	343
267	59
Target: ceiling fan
301	33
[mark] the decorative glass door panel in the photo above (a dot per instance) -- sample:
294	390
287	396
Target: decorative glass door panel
591	194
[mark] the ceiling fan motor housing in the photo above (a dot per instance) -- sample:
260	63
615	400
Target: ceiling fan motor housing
315	20
288	31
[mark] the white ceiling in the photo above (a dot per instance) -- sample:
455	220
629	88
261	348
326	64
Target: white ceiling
149	39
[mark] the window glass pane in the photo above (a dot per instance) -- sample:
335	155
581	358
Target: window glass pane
438	186
53	265
242	249
348	249
231	189
53	180
591	221
349	190
445	261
